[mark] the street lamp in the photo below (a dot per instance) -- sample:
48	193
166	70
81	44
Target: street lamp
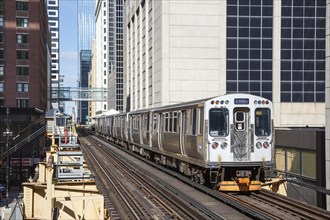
8	134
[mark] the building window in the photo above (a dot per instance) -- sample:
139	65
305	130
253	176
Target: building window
22	87
2	54
1	5
22	22
22	38
249	47
2	87
303	51
22	6
1	37
1	70
22	103
1	21
22	55
22	71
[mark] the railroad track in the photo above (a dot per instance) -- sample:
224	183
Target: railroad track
291	207
255	205
162	202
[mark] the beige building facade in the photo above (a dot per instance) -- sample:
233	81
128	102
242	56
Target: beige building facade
177	51
327	107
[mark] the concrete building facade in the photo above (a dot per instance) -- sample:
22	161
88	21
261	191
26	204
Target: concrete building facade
109	53
53	16
327	106
184	50
178	51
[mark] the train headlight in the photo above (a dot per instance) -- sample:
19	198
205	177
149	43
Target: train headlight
258	145
223	145
215	145
266	145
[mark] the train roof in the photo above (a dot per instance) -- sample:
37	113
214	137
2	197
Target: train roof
181	105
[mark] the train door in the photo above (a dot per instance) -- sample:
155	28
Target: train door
241	135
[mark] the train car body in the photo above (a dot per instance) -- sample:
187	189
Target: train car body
225	141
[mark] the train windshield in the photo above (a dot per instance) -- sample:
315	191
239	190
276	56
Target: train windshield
218	122
262	122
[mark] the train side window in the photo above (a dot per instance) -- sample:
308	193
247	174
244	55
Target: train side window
194	121
138	122
166	122
155	122
199	121
170	118
147	122
175	121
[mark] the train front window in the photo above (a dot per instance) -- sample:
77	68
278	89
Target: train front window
262	122
218	120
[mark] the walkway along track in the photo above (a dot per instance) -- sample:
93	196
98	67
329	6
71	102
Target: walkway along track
248	204
162	202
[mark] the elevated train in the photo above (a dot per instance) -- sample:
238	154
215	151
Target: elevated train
225	142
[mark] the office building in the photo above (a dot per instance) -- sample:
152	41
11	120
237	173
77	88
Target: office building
53	15
327	110
24	54
86	34
109	52
85	66
178	51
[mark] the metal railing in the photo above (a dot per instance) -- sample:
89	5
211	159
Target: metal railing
25	140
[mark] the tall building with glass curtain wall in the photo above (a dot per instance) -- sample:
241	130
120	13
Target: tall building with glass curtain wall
184	50
86	33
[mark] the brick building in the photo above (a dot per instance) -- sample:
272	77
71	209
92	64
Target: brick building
24	54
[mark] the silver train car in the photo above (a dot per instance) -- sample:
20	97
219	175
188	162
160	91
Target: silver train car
225	142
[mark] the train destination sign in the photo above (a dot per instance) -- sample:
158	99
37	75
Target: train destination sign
241	101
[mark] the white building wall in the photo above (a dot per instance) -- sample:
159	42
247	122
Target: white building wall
327	104
100	50
189	58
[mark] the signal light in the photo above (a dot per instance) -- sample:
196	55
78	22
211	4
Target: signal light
266	145
223	145
215	145
258	145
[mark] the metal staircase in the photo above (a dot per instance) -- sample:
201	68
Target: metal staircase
25	136
26	140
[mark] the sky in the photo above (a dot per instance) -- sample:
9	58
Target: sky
68	41
68	45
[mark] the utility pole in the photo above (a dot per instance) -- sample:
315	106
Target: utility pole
8	134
